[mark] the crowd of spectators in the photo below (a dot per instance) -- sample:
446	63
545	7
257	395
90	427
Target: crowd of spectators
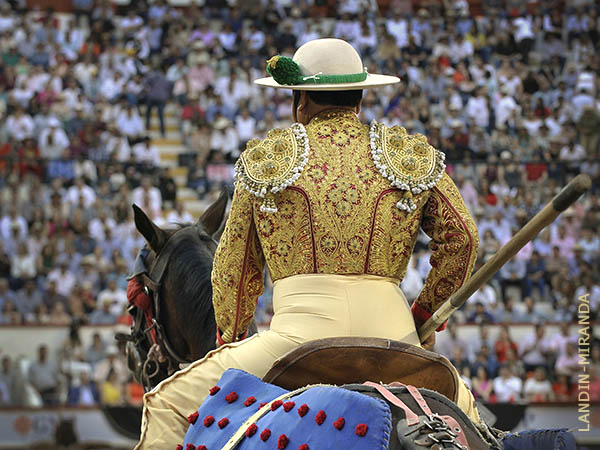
76	375
541	367
508	90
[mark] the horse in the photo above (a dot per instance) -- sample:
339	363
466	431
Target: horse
171	300
169	290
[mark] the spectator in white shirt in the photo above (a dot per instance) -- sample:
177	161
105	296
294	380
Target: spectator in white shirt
572	152
11	221
80	190
397	26
22	94
347	29
147	197
99	224
131	23
245	125
145	153
559	341
130	123
179	215
506	106
112	87
117	298
20	125
582	100
535	349
64	279
524	36
460	49
53	141
538	388
412	283
477	108
117	145
507	386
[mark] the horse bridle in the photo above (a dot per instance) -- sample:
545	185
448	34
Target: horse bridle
146	363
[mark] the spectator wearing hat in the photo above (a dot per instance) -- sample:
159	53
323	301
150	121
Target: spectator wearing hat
113	362
115	296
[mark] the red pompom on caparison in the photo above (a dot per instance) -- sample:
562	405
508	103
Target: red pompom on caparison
339	424
303	410
276	404
361	429
282	442
303	447
213	390
208	421
231	397
179	447
251	430
190	447
223	422
193	417
287	406
201	447
320	417
265	434
249	401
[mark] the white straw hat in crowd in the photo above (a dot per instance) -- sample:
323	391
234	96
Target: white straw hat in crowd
322	65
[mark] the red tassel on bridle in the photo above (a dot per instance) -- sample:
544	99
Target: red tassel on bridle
137	296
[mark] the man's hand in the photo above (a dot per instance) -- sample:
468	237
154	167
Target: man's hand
429	342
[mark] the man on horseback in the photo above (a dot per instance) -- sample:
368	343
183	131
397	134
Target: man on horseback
333	207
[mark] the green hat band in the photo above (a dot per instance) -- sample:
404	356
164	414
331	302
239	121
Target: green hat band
285	71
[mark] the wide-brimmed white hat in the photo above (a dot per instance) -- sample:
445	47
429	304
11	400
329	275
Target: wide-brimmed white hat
322	65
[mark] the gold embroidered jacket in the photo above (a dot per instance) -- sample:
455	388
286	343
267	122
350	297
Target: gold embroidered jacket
339	197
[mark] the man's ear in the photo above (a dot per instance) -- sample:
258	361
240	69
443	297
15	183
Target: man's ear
303	103
358	106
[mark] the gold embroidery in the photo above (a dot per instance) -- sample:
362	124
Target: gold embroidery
407	161
339	216
454	242
271	165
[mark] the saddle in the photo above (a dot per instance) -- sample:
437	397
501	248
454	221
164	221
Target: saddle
347	360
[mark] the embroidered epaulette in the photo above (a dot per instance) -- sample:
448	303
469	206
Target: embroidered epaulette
269	166
407	161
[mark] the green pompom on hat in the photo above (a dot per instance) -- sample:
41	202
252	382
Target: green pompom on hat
283	69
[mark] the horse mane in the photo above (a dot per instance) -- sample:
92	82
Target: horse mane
190	275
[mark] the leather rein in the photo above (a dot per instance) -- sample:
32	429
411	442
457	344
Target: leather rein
144	295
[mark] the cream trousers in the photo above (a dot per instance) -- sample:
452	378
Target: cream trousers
306	307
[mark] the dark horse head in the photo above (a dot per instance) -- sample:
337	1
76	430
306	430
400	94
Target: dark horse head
175	323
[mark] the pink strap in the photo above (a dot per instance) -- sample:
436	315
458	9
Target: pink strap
416	395
456	428
411	417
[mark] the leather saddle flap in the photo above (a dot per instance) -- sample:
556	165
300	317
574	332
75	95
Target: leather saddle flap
346	360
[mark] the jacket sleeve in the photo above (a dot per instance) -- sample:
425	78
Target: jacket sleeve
237	274
454	243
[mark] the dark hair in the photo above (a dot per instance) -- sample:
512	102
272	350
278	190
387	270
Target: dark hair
334	98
